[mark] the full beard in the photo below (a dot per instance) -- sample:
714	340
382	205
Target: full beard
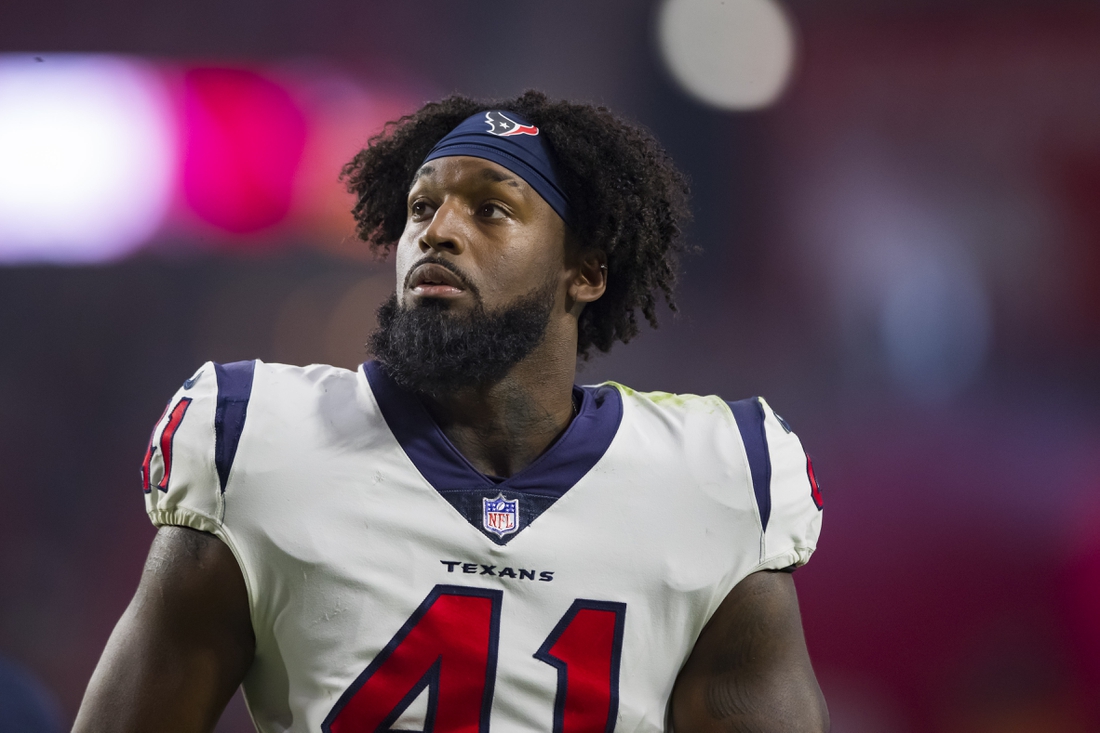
435	352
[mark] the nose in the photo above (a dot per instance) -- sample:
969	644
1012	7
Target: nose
445	232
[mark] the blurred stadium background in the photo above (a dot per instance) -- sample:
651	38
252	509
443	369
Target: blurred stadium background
899	209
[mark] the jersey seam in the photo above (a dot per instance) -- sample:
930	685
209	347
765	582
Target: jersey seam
212	466
171	517
794	553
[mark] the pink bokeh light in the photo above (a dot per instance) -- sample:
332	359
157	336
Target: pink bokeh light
244	143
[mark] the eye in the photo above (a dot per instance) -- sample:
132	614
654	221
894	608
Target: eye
492	211
418	209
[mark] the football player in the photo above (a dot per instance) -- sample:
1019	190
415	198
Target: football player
455	537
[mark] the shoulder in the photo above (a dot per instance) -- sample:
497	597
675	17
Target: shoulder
746	438
751	412
671	412
748	422
275	381
221	401
249	381
757	425
196	444
667	401
283	390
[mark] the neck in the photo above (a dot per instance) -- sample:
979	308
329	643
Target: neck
502	428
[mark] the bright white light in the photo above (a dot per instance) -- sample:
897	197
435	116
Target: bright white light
87	157
733	54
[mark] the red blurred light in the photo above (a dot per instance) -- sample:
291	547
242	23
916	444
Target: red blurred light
245	137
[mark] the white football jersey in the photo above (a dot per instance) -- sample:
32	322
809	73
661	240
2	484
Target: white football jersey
394	587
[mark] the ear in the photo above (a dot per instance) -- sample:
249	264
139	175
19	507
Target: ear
590	280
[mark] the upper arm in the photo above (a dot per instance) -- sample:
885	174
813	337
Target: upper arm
182	646
750	671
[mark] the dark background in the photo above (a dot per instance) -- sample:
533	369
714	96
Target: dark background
927	157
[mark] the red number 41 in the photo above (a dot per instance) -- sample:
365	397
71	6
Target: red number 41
449	646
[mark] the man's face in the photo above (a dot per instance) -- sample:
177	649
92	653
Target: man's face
480	274
476	233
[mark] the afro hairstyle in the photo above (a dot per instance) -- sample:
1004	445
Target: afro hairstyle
629	200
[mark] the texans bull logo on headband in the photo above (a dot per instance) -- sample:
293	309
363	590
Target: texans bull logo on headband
501	126
512	142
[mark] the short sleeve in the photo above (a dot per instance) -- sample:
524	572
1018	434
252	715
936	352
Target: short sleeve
788	499
179	475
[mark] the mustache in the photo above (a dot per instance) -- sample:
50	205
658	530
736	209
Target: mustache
447	265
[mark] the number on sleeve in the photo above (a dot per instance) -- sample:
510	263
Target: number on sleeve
166	437
815	489
448	645
586	648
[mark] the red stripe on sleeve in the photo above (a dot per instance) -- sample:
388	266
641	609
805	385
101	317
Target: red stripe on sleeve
167	436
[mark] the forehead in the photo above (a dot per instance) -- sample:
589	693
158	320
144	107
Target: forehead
466	169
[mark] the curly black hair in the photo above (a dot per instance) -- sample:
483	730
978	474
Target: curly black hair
628	198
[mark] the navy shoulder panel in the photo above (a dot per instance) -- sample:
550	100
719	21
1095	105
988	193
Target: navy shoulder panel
749	415
234	391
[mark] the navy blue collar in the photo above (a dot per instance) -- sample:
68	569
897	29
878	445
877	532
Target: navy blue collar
580	447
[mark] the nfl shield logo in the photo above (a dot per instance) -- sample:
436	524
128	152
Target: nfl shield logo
501	516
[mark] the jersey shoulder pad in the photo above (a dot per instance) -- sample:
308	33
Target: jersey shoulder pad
670	405
788	498
190	456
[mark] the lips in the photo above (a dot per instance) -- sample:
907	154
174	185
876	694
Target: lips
435	279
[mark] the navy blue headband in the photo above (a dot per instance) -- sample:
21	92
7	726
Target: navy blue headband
508	140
